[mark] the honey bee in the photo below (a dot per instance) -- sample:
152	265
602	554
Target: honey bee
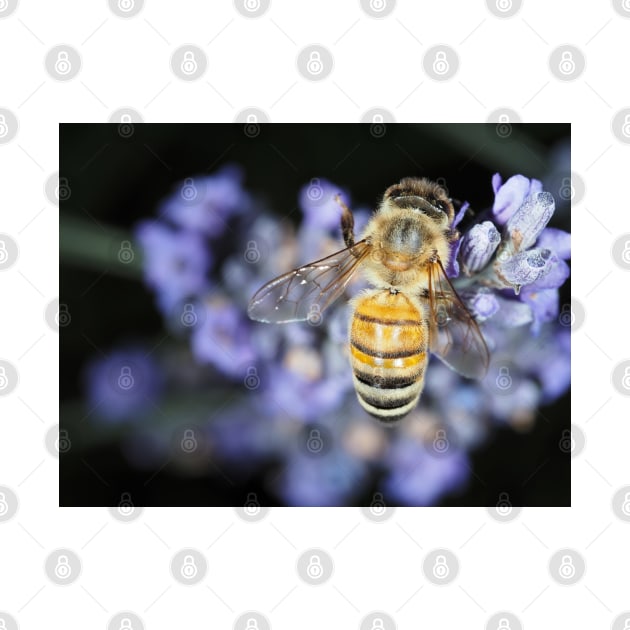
411	309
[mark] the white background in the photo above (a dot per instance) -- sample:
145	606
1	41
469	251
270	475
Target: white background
251	62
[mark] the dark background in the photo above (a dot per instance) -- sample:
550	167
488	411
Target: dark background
117	180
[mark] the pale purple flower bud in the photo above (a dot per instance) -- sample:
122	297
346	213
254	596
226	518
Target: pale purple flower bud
510	196
525	225
526	267
556	240
482	303
478	246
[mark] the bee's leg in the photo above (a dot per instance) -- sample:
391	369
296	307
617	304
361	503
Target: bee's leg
347	222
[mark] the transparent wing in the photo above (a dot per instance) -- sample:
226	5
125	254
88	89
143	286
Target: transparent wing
306	292
455	337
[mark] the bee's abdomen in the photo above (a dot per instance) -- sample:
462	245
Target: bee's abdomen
388	349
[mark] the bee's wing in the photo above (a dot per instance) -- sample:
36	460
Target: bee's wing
305	292
454	335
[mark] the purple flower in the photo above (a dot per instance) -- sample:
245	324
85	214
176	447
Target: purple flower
328	480
525	267
123	385
319	206
478	246
222	339
524	226
418	478
175	263
481	303
556	240
510	196
206	204
544	305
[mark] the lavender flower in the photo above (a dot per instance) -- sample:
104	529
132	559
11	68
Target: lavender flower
296	375
222	338
123	385
175	263
206	204
478	245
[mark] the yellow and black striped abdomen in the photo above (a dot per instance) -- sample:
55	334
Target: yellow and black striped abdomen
388	350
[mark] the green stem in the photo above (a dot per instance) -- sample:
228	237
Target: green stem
88	244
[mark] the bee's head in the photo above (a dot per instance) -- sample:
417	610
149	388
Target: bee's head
422	195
